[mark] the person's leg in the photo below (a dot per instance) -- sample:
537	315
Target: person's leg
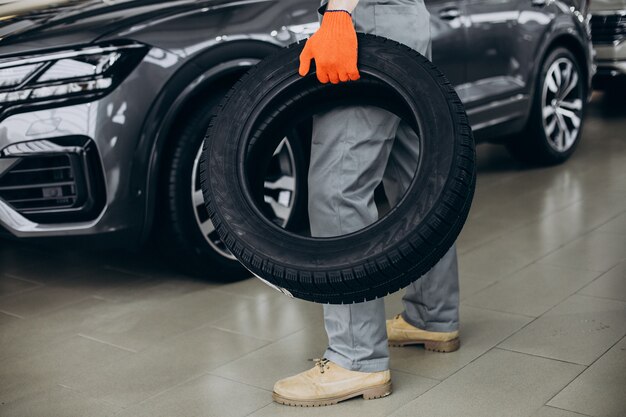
357	333
432	302
348	157
349	151
357	336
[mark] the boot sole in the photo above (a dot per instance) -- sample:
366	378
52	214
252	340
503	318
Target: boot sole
442	347
370	393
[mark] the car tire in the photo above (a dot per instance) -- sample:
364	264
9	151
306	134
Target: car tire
550	138
186	233
181	239
382	258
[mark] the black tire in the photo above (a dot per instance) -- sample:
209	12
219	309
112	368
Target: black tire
384	257
534	146
181	239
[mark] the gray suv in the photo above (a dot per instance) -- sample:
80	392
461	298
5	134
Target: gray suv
608	28
104	106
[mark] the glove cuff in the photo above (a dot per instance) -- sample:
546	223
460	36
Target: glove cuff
337	21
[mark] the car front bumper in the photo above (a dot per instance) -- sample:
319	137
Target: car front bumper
112	128
611	59
114	141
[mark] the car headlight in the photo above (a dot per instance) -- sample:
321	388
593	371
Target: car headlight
81	73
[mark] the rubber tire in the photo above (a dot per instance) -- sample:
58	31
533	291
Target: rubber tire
531	146
383	257
180	238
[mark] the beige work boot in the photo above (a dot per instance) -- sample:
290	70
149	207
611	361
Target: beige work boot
401	333
328	383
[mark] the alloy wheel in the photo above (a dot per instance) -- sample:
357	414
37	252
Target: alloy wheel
562	104
279	194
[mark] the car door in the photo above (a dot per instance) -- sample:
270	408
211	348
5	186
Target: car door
449	38
493	64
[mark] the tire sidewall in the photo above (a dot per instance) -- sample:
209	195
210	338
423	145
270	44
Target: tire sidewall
199	258
332	253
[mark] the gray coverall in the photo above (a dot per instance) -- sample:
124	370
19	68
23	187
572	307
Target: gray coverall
354	149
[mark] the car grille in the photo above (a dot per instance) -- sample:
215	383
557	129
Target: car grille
49	183
608	29
40	183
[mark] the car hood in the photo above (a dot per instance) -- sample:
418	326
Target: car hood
38	24
603	5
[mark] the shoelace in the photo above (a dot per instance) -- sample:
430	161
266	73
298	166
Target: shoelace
321	363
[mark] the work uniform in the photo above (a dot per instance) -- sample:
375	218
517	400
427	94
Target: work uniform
354	149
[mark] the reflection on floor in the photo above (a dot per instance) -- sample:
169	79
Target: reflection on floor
543	263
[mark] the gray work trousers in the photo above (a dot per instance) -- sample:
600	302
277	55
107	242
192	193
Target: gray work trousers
354	149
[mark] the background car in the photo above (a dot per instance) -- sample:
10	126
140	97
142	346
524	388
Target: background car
104	106
608	28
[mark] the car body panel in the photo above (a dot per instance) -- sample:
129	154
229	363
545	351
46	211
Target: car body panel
449	33
115	124
509	39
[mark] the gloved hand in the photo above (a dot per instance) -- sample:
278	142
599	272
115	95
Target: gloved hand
334	48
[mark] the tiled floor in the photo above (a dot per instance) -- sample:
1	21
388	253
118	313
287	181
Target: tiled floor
543	282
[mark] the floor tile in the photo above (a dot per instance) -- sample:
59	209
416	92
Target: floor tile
578	330
601	389
273	319
40	300
615	225
6	318
547	411
538	193
490	262
499	383
477	232
286	357
33	264
612	284
538	239
206	396
143	263
480	331
11	285
592	211
33	336
101	281
596	251
141	288
58	401
142	375
472	284
140	323
545	235
24	377
406	387
533	290
251	287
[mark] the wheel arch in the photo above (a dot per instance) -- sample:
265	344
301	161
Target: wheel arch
212	72
568	40
571	43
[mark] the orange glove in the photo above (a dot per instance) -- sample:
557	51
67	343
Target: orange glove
334	48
